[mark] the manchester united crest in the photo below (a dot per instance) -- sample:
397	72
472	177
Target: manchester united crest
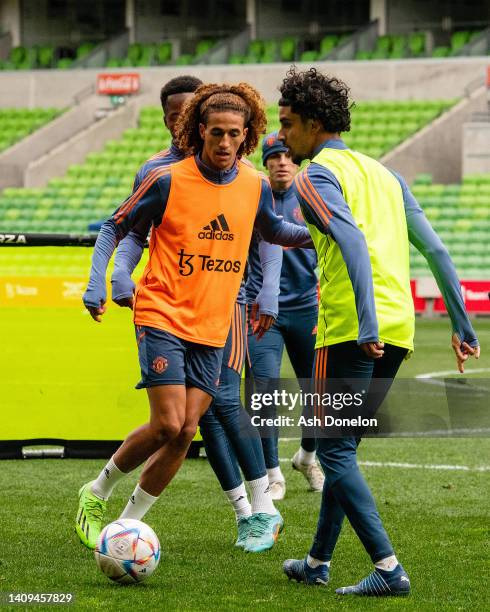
159	365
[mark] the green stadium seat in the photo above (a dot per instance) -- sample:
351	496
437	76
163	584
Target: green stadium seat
84	49
328	44
309	56
203	46
164	52
416	44
134	53
458	40
184	60
287	49
441	52
63	64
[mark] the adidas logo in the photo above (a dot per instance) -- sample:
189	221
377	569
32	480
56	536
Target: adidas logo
131	499
106	472
217	229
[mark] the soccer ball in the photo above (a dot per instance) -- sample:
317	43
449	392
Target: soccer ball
127	551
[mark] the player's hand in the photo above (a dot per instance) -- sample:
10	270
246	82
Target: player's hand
463	352
373	349
94	300
96	312
124	302
262	324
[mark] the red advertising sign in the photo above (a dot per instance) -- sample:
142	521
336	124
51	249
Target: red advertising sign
117	83
475	294
418	302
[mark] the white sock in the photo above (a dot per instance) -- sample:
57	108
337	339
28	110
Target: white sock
275	474
388	563
138	505
314	563
107	480
306	457
261	497
239	500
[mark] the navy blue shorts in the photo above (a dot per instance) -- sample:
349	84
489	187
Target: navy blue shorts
168	360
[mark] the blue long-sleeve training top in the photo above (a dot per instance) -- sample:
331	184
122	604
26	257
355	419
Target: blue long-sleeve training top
298	285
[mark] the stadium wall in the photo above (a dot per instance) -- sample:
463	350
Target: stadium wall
73	151
369	80
15	160
422	152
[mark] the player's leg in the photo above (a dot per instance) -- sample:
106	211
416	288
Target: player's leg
346	492
300	337
201	368
243	441
167	397
265	358
388	576
222	459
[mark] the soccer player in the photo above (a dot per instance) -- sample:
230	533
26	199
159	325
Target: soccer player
298	314
230	440
184	301
361	217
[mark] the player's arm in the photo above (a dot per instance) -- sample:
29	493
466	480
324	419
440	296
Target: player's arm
425	240
266	304
323	204
128	255
144	207
273	228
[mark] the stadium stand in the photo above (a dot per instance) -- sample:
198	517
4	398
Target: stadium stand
159	54
416	45
43	57
92	190
288	49
17	123
459	213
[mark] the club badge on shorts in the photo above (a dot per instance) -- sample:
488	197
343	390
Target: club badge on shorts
159	365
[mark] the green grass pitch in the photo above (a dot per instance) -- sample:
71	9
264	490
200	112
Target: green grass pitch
438	521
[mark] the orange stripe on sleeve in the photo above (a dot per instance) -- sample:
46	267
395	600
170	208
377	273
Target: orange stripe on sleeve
318	198
307	197
150	180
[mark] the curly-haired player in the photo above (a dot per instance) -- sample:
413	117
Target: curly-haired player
208	99
203	210
361	217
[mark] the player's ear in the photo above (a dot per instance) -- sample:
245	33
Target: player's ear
202	130
245	132
316	126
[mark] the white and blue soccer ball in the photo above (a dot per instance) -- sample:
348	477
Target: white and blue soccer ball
127	551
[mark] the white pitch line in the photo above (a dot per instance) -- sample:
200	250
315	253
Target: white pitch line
419	466
449	372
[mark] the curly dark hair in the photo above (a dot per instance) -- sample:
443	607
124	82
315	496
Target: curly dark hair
316	96
213	98
178	85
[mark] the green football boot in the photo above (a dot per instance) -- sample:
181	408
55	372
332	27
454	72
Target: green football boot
91	510
264	529
243	526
